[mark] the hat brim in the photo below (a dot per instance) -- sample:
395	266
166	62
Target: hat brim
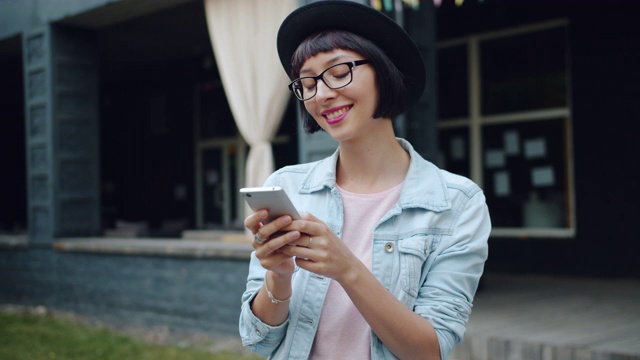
359	19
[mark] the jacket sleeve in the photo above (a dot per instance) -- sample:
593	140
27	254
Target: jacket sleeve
262	338
446	297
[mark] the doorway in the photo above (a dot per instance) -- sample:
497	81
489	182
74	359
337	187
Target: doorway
13	181
220	156
220	167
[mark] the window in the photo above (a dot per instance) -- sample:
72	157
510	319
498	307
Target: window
504	121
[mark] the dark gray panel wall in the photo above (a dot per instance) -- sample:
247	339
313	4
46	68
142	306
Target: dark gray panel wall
187	294
61	116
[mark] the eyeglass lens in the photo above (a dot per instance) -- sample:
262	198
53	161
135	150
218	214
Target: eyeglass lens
335	77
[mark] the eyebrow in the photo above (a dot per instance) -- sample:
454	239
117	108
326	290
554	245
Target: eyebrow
328	63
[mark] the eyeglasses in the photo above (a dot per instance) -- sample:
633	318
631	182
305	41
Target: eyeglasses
335	77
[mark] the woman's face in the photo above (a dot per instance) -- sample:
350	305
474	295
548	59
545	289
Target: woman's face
344	113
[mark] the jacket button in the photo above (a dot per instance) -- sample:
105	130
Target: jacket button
388	247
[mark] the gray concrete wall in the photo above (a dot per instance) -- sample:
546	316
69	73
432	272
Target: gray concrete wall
179	293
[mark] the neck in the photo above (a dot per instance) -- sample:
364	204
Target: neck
372	164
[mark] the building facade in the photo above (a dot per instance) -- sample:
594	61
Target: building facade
115	119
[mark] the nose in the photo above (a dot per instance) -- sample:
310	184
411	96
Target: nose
323	92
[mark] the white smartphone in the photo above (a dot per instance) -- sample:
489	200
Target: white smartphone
272	198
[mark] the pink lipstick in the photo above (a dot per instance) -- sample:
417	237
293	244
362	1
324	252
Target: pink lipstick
336	115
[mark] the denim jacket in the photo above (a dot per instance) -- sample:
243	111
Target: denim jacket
428	251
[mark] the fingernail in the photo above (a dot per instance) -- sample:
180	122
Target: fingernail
286	219
262	213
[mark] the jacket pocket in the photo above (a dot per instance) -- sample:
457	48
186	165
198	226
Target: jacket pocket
413	254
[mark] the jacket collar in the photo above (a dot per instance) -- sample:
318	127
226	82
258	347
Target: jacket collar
424	186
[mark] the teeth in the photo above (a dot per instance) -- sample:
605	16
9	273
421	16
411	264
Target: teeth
335	114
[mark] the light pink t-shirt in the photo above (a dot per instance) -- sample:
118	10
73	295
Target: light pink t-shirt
342	331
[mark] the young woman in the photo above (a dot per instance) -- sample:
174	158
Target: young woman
387	257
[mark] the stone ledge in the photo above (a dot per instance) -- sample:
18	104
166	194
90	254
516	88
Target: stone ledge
156	247
217	235
10	241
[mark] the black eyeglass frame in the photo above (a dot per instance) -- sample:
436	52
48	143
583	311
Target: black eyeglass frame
320	76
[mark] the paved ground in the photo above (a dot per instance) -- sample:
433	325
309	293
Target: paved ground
553	318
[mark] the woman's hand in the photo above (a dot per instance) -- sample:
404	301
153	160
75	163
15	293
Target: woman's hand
319	250
273	237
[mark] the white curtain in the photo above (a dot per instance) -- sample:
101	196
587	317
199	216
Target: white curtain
243	34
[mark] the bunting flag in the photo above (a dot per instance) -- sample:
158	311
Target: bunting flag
396	5
391	5
414	4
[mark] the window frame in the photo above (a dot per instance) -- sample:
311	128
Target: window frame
476	120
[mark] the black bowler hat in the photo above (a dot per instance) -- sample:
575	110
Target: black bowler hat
358	19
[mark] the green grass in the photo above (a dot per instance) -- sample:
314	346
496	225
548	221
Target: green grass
32	337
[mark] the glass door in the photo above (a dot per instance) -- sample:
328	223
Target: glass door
220	155
220	168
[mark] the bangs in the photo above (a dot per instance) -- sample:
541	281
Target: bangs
324	41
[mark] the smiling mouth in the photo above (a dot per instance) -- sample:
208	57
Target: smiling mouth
335	114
